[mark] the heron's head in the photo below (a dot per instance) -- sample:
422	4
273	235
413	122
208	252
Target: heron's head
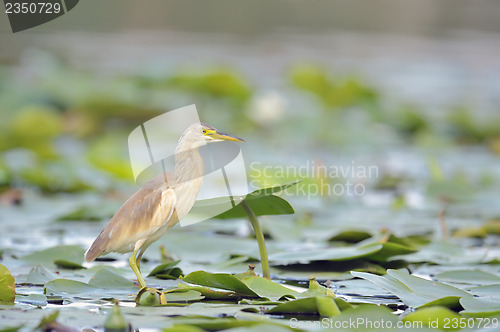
199	134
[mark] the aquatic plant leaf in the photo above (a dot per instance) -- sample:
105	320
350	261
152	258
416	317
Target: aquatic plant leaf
473	277
38	300
269	289
329	254
209	294
262	201
443	253
365	314
105	278
181	295
414	291
39	275
219	280
166	271
67	286
261	206
435	317
69	253
7	286
323	306
61	263
480	307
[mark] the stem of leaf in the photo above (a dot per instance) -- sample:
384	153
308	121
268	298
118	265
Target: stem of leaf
260	239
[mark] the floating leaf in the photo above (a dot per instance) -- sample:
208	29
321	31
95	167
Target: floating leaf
269	289
261	206
90	213
262	202
352	236
486	291
435	317
38	300
323	306
67	253
183	328
67	286
166	271
331	254
391	246
480	307
443	253
473	277
7	285
39	275
209	294
219	280
183	295
67	265
365	314
414	291
105	278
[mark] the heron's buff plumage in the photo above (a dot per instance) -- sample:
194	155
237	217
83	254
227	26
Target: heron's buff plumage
157	206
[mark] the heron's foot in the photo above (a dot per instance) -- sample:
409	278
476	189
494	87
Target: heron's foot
150	296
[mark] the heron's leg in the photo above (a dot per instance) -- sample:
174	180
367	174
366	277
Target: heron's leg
133	264
138	259
142	249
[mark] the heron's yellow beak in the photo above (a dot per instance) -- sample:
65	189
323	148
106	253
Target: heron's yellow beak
225	137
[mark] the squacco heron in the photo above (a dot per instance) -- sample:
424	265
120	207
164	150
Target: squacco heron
160	204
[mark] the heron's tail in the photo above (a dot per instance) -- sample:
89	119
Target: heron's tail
97	248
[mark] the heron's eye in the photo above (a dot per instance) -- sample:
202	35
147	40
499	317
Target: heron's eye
203	131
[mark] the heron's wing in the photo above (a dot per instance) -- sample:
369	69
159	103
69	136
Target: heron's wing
138	218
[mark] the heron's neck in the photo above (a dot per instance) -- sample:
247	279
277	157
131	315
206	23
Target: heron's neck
188	165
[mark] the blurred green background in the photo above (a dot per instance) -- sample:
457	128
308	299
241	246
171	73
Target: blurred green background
300	80
411	87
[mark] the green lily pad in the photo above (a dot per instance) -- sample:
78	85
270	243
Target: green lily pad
66	286
183	295
269	289
219	280
7	286
261	206
331	254
183	328
350	235
90	213
414	291
67	265
263	202
443	253
486	291
68	253
105	278
166	271
209	294
365	316
38	300
39	275
391	246
436	317
323	306
480	307
473	277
